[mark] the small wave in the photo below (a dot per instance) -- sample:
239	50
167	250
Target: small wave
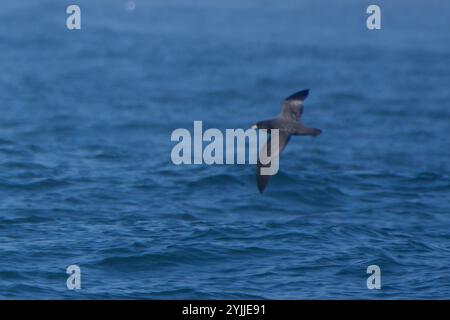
169	258
215	180
42	184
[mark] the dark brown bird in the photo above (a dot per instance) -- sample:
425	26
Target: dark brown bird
288	123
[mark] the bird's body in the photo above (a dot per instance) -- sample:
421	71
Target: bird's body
288	123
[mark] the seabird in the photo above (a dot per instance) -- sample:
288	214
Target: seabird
288	123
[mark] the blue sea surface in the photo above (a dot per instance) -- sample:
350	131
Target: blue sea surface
86	176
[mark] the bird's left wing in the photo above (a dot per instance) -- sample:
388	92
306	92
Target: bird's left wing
263	180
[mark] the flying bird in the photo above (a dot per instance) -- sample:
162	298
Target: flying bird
288	123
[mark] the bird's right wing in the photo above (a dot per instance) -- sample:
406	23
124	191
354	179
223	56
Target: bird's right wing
263	180
292	106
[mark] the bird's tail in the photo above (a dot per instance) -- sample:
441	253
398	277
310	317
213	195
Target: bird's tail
303	131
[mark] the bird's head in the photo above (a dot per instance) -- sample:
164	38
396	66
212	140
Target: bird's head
261	125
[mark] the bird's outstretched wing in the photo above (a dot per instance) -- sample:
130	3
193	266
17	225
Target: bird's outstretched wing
263	180
292	106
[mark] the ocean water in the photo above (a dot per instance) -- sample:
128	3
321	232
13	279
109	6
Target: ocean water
86	176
